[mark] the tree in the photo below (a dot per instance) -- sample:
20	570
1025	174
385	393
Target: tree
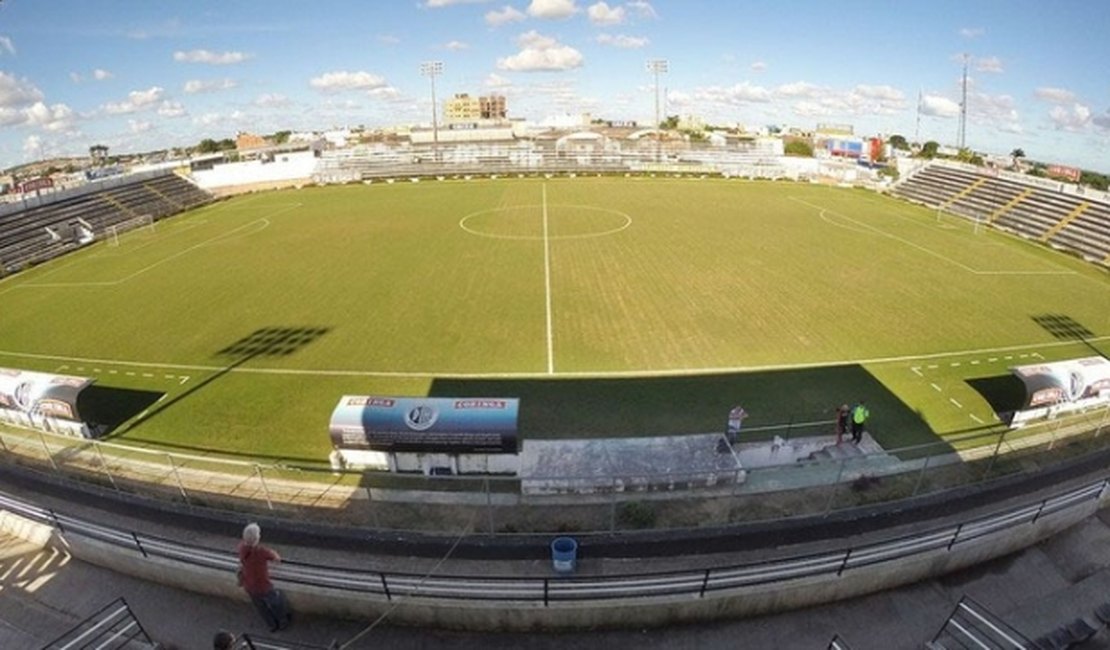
208	145
1017	153
899	142
281	137
929	149
799	148
670	123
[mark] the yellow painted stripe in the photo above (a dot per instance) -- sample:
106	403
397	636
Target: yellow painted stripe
1010	205
1072	216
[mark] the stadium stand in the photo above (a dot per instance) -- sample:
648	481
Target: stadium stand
1062	220
30	234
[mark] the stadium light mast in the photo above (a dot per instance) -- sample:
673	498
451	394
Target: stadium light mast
963	107
433	69
657	67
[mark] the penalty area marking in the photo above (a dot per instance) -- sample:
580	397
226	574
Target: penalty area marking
673	372
923	249
545	236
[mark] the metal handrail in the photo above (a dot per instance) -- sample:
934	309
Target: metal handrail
659	584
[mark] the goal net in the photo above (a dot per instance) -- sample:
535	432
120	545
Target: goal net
140	224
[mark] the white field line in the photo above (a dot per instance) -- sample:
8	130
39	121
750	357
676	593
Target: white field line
674	372
547	285
112	283
923	249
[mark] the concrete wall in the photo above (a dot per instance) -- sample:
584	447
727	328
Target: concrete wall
479	615
286	170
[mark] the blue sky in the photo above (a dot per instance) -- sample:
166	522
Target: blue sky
141	74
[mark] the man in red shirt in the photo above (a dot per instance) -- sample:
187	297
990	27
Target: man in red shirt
254	577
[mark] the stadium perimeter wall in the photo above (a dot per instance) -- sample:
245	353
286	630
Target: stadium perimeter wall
286	170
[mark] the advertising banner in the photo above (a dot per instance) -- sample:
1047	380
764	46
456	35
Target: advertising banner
1063	171
35	184
1062	386
426	424
42	401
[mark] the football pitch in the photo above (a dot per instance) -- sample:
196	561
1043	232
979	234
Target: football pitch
610	306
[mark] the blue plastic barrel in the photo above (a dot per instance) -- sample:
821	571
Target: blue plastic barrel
564	554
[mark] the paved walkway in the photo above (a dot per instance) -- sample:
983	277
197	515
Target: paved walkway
43	593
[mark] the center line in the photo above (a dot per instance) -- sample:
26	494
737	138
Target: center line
547	285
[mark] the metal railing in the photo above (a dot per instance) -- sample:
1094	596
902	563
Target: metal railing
625	502
973	626
113	627
577	589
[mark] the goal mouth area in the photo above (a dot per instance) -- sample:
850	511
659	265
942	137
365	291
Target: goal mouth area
141	223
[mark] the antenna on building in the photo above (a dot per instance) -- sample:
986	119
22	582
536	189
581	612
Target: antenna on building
962	138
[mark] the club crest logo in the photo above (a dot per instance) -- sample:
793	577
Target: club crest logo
1076	385
421	418
23	396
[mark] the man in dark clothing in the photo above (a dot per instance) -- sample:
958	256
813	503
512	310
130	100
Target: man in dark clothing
254	577
843	414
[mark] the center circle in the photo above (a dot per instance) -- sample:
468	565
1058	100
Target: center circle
564	221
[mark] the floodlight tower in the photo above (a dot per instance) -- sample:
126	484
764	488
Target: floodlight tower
963	107
657	67
433	69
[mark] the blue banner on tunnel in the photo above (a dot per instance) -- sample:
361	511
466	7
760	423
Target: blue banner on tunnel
427	424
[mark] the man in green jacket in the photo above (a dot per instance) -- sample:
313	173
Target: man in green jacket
859	416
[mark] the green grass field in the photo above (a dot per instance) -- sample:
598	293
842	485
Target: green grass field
624	306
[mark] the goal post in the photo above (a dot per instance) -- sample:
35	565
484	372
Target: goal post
141	223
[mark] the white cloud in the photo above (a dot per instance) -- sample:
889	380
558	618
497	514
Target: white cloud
642	8
102	75
758	66
972	32
194	86
602	14
1054	95
622	41
171	109
937	106
456	46
495	80
17	92
741	93
32	146
58	117
74	77
209	57
384	92
797	89
272	100
1102	121
388	39
435	4
1074	118
208	119
137	100
989	64
540	53
504	16
995	111
341	81
554	9
139	126
6	45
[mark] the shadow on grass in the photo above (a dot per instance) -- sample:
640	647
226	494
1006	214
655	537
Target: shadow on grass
265	342
783	399
1066	328
110	407
1004	393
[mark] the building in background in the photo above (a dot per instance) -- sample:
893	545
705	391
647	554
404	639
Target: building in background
464	109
